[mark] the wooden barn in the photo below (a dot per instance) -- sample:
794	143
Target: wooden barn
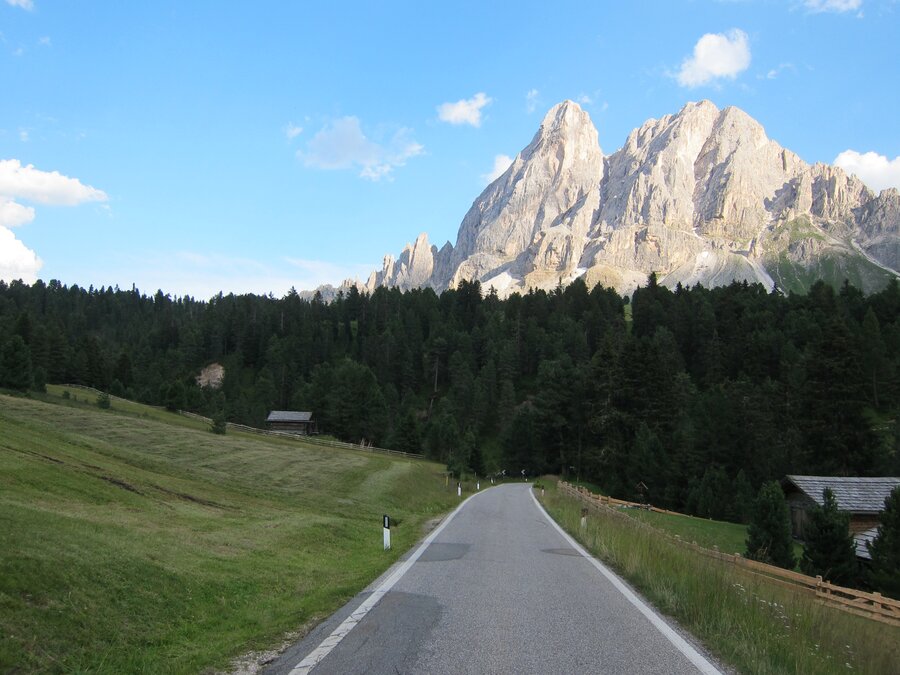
292	421
862	498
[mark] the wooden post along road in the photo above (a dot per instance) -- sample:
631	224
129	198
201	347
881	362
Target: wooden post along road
498	587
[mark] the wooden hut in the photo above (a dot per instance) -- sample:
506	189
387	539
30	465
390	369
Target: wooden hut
861	497
292	421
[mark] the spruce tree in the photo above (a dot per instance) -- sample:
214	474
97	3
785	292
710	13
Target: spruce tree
884	575
15	365
769	531
828	549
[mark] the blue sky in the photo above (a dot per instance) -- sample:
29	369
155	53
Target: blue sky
250	147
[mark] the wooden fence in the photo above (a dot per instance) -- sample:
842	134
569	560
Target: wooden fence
312	440
870	605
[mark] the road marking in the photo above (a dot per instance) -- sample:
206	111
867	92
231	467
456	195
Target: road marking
658	622
316	655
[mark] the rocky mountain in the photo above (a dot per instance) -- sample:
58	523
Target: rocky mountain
702	196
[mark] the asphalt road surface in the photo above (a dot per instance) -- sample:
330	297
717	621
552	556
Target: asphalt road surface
496	588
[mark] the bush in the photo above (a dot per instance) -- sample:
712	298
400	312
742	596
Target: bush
219	425
103	401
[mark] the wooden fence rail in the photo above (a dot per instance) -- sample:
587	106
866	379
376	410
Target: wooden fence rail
870	605
312	440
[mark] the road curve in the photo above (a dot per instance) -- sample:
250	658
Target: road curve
497	588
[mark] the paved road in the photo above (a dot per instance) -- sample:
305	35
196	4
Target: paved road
499	589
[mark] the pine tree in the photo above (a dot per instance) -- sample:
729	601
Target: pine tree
884	574
769	532
828	548
15	365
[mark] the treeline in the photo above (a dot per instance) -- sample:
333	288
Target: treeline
690	399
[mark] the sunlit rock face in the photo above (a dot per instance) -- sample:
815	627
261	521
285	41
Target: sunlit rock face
701	196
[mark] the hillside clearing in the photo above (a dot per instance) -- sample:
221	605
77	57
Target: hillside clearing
129	544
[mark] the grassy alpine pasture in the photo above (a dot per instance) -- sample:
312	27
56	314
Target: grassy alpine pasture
727	537
755	625
128	544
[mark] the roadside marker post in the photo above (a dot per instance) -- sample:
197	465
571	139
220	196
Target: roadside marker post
584	513
387	533
459	489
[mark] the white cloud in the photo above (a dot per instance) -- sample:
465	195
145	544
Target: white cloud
341	144
465	111
13	214
26	183
584	99
716	56
501	164
44	187
24	4
531	100
836	6
292	131
44	41
876	171
17	261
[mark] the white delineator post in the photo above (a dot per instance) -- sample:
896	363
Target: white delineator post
387	533
459	489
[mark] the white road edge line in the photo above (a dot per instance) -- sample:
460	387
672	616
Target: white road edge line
316	655
695	657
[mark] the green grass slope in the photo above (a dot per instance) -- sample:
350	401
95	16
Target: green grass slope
128	544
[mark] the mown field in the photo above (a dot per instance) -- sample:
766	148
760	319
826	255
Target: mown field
136	541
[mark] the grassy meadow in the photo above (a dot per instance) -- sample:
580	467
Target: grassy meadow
133	540
756	626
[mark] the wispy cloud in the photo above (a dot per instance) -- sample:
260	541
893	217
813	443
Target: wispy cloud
465	111
292	131
774	73
341	144
834	6
532	100
204	275
716	56
501	164
876	171
24	4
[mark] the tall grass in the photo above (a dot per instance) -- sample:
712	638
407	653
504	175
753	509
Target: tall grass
758	626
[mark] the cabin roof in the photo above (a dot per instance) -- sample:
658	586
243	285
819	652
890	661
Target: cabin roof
289	416
853	494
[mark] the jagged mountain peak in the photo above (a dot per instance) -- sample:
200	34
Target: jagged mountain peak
699	196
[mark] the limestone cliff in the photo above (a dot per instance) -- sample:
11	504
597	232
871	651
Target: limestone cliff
701	196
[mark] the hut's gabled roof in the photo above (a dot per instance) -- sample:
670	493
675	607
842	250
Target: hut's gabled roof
861	541
853	494
288	416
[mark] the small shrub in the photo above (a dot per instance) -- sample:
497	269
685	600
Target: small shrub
103	401
218	426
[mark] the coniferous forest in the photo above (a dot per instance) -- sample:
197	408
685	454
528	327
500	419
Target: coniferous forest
690	398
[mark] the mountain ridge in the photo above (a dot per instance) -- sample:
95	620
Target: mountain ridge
698	196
